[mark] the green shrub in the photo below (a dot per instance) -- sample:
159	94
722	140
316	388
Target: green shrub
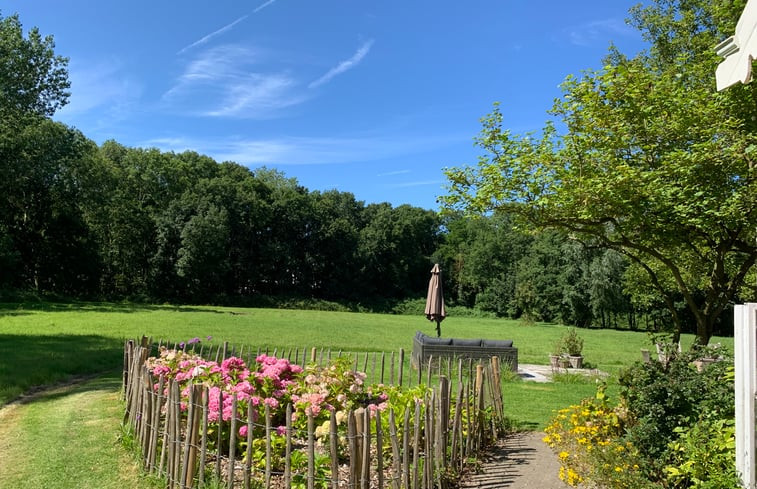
663	397
409	307
572	344
702	456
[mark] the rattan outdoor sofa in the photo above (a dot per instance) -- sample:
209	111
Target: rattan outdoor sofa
425	347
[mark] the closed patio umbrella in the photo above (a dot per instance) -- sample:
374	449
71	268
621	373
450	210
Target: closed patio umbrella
435	299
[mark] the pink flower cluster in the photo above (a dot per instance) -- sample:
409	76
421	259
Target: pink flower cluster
336	388
270	382
267	385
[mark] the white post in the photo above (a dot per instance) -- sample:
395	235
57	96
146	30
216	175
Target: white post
745	366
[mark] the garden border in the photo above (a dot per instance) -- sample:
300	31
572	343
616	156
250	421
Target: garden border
418	452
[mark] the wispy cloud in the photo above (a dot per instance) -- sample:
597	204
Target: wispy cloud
420	183
246	152
597	31
220	31
392	173
221	81
348	64
101	87
223	29
261	7
285	151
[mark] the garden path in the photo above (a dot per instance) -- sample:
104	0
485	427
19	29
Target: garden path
519	461
522	460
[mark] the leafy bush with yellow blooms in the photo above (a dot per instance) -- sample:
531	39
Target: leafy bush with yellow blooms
588	440
673	428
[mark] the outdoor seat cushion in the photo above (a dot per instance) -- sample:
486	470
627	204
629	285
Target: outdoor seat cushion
498	343
466	342
430	340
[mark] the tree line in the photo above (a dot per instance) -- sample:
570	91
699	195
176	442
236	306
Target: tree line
112	222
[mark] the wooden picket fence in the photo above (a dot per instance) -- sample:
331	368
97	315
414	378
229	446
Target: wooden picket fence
425	447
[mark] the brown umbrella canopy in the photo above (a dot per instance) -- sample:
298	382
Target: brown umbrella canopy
435	299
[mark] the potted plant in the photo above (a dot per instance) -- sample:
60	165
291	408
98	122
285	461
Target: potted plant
554	357
707	355
573	346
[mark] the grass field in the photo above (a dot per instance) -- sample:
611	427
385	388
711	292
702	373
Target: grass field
42	343
45	343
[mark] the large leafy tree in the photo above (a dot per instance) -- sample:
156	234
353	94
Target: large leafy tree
46	169
652	162
33	79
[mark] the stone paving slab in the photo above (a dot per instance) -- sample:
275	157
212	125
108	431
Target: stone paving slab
543	373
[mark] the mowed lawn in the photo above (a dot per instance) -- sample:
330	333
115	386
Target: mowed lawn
45	343
42	343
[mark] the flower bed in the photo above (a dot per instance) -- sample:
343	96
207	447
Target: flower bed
321	424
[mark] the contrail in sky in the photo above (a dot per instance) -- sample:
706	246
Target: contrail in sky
214	34
224	28
269	2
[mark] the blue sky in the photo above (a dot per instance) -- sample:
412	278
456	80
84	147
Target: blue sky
374	98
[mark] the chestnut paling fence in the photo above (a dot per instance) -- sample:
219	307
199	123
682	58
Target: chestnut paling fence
423	446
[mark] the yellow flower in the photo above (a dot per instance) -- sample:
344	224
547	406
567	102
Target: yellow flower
563	455
573	478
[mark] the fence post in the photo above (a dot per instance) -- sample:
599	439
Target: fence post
745	382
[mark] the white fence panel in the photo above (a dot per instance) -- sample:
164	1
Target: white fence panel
745	358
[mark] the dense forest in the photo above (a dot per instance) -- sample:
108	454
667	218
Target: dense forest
107	222
111	222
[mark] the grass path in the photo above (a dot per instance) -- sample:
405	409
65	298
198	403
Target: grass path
67	437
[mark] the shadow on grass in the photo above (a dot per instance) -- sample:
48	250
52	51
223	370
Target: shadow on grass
107	381
26	308
28	362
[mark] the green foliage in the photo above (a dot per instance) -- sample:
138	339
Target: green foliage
322	472
572	343
654	163
702	455
33	78
495	266
663	397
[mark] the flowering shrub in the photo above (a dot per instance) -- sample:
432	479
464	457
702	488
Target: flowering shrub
588	440
266	385
335	387
272	382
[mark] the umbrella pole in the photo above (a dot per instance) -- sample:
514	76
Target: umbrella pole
438	329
